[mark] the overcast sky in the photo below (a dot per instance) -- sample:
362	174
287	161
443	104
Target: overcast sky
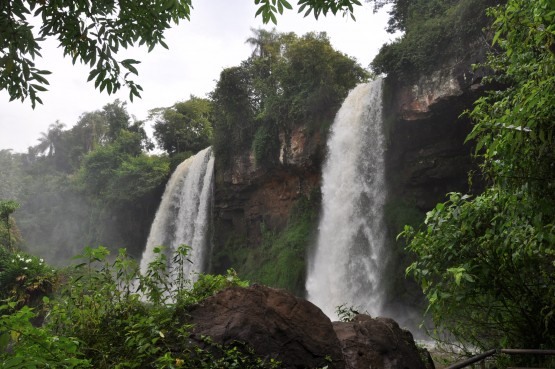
199	50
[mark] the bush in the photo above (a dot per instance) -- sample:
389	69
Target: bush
265	146
488	269
109	316
24	278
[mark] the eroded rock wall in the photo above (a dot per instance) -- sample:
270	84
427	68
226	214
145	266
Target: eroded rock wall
427	157
426	152
252	198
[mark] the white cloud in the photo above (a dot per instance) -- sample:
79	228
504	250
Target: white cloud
199	50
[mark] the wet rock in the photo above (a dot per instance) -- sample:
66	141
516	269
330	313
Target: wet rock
273	322
377	343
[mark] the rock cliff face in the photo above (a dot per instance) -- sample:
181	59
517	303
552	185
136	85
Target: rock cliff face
249	198
426	157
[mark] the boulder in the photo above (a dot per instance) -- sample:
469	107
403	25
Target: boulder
273	322
377	344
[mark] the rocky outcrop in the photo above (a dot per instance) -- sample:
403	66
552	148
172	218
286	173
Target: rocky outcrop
251	197
276	324
377	343
427	155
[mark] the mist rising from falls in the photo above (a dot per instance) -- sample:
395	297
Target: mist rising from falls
184	214
346	268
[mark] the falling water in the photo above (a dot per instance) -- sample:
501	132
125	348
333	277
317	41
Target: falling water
347	263
183	216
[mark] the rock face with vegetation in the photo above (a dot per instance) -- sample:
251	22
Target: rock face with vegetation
271	115
257	193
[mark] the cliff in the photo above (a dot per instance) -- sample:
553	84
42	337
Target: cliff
257	207
254	205
427	156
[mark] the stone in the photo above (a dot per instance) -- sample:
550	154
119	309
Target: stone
377	343
273	322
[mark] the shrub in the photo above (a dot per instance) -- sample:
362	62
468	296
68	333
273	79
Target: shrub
24	278
109	316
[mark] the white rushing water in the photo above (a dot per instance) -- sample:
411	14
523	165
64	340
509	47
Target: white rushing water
346	268
183	216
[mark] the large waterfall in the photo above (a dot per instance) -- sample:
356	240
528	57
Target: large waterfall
184	214
348	260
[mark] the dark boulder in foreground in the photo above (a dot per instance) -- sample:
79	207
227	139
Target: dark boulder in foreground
273	322
276	324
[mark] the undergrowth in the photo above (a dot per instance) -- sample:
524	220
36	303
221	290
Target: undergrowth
108	315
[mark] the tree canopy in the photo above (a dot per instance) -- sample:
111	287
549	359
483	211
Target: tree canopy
7	207
434	31
288	81
186	126
93	32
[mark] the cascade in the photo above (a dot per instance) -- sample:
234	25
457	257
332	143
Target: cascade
184	214
347	264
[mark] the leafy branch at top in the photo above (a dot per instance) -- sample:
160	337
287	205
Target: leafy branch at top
269	8
93	32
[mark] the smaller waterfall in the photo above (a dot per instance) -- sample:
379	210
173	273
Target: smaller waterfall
347	265
183	216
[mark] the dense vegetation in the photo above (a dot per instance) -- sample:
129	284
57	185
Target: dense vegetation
487	263
434	32
106	315
287	82
185	128
89	185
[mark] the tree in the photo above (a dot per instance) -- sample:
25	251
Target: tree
93	32
11	176
487	264
300	80
435	32
186	126
289	81
7	207
234	111
117	119
50	140
262	42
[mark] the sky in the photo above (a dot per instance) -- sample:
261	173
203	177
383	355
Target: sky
199	50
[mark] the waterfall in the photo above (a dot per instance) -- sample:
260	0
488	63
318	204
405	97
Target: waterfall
347	264
184	214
